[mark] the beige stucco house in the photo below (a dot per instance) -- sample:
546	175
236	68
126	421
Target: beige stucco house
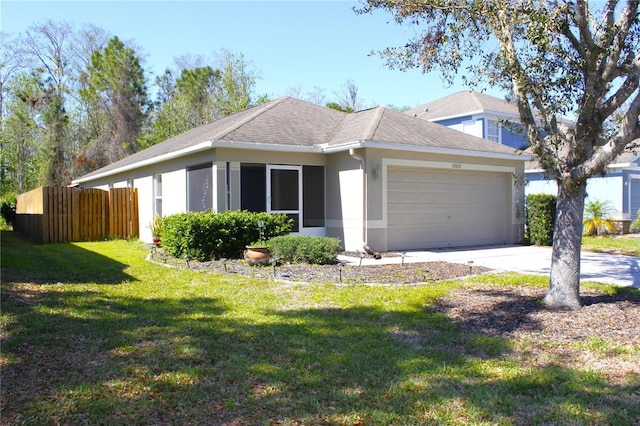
376	176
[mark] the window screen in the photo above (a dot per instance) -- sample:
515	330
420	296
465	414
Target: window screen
253	187
312	196
200	188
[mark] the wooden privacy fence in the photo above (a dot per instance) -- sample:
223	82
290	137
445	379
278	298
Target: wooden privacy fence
49	214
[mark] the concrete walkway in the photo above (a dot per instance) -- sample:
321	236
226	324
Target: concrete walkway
598	267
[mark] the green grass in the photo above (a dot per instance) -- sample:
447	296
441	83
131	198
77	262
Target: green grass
622	244
94	334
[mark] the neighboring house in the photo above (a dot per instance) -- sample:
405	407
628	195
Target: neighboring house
619	186
476	114
376	176
481	115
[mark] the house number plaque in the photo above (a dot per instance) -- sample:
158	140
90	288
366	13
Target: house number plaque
456	165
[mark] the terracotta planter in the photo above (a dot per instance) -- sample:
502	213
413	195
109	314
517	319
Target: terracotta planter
256	255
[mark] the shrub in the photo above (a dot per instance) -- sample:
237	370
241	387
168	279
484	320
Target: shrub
540	218
305	248
594	218
8	208
208	235
635	225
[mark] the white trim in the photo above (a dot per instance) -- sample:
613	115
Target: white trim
151	161
472	114
427	149
297	211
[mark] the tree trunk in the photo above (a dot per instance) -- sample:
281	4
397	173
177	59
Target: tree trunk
564	283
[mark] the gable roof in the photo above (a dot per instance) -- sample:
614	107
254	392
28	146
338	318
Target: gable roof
387	128
464	103
288	124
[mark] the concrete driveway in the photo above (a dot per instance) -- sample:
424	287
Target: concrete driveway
598	267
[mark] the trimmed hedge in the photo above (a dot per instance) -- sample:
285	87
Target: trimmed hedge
540	218
207	235
305	248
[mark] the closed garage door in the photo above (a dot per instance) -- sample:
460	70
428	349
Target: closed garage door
430	208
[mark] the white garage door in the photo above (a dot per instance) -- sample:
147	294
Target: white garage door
428	208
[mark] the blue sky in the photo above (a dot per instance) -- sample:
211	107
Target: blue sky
301	44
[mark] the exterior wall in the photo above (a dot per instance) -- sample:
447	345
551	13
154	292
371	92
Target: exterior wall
514	140
471	125
225	179
609	188
631	197
345	199
144	185
476	125
174	187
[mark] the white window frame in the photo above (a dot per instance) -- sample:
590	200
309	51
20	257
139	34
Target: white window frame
494	130
157	194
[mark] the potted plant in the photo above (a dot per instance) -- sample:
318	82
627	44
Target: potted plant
258	253
156	228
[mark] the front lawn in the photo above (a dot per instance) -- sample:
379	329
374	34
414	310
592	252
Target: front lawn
628	245
94	334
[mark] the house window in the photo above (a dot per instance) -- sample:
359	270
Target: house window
493	130
199	191
312	196
157	194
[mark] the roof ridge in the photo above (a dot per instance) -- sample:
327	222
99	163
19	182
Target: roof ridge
331	134
476	100
250	117
375	122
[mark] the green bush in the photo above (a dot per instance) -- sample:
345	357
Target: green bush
635	225
8	209
305	248
540	218
207	235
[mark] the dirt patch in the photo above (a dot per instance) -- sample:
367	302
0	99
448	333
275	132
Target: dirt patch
603	335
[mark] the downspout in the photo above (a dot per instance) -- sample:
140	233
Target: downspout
364	193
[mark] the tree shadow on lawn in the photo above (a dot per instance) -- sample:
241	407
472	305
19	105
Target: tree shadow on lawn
24	261
123	360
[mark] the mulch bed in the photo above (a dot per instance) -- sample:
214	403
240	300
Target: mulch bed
407	273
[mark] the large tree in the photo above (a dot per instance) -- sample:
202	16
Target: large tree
557	58
116	83
20	138
200	94
46	50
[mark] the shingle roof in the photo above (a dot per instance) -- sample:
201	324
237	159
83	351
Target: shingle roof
387	126
463	103
287	122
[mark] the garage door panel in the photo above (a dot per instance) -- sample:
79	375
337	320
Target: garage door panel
438	208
